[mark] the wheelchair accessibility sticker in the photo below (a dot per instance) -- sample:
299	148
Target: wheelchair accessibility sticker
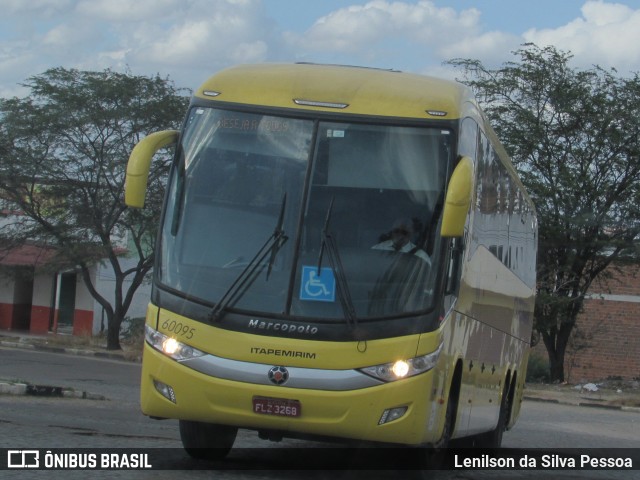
319	288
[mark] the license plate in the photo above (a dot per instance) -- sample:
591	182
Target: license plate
281	407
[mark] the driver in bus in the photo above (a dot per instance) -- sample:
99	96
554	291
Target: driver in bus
400	240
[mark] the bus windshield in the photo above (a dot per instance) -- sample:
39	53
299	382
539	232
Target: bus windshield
356	208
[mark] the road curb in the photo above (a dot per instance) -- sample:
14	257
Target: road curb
539	399
8	388
630	409
5	343
623	408
70	351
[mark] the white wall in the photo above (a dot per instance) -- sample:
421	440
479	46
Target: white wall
6	289
42	289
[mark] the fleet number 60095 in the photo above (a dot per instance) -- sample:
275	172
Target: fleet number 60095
178	328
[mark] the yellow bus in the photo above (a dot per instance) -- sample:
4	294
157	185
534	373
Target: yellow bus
344	252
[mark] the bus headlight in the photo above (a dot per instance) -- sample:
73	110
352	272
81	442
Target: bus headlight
390	372
169	345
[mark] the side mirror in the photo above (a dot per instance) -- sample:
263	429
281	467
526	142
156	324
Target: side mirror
456	205
139	165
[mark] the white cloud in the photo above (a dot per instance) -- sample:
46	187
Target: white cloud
127	11
190	39
607	34
361	27
181	43
205	33
399	33
185	39
14	57
250	52
69	35
490	47
44	8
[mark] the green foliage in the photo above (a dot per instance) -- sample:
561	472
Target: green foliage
573	137
63	158
537	369
132	331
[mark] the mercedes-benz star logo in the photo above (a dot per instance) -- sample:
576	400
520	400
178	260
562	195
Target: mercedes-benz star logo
278	375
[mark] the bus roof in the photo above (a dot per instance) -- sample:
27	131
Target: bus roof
351	90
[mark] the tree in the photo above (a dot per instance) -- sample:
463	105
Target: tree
573	135
62	164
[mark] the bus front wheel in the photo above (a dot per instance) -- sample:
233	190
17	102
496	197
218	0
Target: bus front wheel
207	441
434	456
449	419
493	439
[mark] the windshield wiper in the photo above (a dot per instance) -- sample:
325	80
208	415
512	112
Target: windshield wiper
248	275
279	238
328	243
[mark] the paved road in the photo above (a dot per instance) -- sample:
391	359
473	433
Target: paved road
116	380
30	422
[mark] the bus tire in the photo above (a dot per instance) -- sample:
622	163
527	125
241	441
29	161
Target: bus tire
452	410
449	419
207	441
434	457
493	439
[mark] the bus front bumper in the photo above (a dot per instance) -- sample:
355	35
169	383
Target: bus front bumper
412	409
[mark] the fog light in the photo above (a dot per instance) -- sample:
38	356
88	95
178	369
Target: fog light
392	414
165	390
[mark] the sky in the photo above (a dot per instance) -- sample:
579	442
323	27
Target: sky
189	40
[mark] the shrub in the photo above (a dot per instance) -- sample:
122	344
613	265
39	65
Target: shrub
538	369
132	331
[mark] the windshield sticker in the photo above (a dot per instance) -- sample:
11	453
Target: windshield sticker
317	287
335	133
